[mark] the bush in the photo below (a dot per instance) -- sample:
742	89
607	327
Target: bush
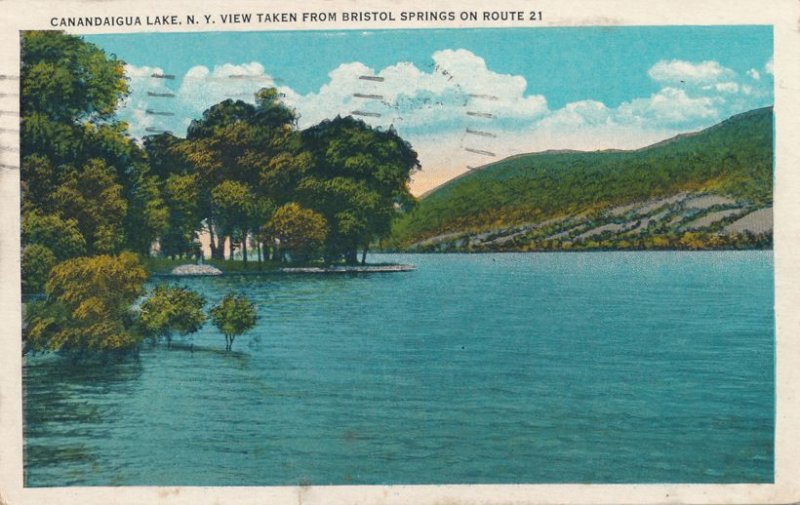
88	306
233	316
171	309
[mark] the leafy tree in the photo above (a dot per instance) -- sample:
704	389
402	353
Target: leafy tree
93	197
88	306
165	156
37	260
61	236
181	193
37	180
69	92
239	142
358	181
233	207
65	78
171	309
233	316
146	216
300	232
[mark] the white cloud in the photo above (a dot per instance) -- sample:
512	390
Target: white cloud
202	87
670	106
415	98
577	114
727	87
755	74
675	71
770	66
139	105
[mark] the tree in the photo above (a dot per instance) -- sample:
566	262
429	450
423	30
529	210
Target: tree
61	236
233	205
75	156
37	260
242	143
233	316
300	232
93	198
358	181
88	306
171	309
165	156
65	78
181	194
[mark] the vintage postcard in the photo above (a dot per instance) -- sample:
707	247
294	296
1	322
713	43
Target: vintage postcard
376	253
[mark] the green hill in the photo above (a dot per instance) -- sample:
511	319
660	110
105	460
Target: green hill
709	189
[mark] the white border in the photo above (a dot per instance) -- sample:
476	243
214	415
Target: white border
783	15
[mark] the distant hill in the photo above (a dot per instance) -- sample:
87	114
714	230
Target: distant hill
703	190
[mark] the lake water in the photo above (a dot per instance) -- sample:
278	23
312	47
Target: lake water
494	368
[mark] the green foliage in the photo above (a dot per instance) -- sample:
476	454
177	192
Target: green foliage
76	162
165	157
37	260
88	306
233	316
358	181
93	198
232	204
300	232
241	150
734	158
67	79
61	236
171	309
181	193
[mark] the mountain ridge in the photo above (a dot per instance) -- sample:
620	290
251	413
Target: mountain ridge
581	191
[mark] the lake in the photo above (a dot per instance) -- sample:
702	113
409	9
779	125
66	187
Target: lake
601	367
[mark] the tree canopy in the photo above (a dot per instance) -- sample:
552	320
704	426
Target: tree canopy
88	305
233	316
171	309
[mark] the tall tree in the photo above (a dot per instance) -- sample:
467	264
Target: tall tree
69	92
359	179
242	143
233	205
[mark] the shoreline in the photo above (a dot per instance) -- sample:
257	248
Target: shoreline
354	269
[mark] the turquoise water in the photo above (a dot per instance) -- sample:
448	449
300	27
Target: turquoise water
494	368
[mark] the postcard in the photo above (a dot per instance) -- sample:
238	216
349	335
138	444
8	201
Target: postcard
376	253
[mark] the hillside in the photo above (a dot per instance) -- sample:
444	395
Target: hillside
702	190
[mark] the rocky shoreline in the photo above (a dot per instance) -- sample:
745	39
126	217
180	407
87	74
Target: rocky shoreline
208	270
191	270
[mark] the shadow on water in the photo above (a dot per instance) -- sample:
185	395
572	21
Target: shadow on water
67	403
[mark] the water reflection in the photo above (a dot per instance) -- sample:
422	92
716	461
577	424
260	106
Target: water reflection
68	404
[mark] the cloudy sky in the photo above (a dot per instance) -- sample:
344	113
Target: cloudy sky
463	98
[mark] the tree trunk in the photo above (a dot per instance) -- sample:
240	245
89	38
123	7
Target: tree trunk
211	244
351	257
258	246
244	246
364	255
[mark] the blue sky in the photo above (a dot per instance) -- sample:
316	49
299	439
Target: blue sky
549	88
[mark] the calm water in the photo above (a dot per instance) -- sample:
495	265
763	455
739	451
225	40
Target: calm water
496	368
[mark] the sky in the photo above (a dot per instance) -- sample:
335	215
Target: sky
462	97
